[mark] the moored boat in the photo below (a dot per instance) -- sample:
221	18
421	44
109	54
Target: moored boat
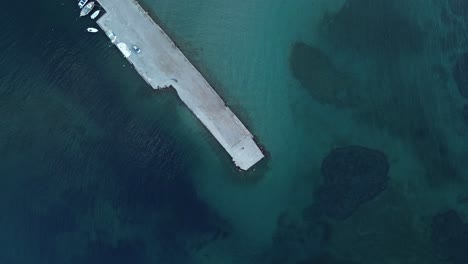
82	3
86	9
92	30
124	49
111	35
95	14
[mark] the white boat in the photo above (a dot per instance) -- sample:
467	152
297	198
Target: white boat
124	49
86	9
95	14
92	30
82	3
111	35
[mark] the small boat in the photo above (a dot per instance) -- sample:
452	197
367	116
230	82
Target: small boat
86	9
82	3
124	49
95	14
92	30
111	35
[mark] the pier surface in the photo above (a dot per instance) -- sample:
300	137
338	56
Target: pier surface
163	65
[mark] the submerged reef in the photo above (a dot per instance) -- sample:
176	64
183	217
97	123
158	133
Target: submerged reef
297	239
121	252
326	258
376	26
450	237
465	113
460	74
352	175
458	7
319	76
365	61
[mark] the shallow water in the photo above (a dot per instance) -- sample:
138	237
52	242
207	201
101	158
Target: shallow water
98	168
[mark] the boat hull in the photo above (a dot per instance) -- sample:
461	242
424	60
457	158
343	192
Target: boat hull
87	9
82	3
95	14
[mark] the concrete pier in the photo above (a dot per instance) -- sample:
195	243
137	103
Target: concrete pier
163	65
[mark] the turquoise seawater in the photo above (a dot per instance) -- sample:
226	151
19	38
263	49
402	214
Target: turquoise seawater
98	168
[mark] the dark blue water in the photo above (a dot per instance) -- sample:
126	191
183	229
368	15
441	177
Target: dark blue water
358	103
86	177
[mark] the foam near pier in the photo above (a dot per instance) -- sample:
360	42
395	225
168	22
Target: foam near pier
162	65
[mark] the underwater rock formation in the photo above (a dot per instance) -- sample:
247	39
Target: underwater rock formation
379	27
465	113
296	240
319	76
459	7
460	74
352	175
450	237
125	251
326	258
